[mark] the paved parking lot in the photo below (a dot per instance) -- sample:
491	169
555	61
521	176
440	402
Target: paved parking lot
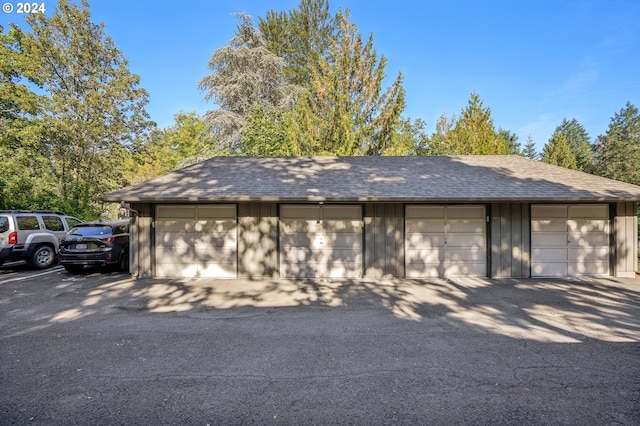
100	348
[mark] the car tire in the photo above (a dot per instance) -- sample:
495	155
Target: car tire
74	269
43	257
123	265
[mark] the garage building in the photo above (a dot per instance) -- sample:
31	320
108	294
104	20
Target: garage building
349	217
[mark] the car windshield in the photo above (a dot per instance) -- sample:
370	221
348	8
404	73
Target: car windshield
91	231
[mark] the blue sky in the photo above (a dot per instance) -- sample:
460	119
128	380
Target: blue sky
532	62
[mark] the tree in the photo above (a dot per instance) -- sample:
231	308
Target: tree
438	143
617	153
557	152
302	37
529	150
346	111
473	133
245	77
24	182
165	150
92	109
578	142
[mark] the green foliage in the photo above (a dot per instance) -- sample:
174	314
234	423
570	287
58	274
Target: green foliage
265	134
72	138
473	133
557	152
302	37
578	143
618	151
529	150
245	76
345	110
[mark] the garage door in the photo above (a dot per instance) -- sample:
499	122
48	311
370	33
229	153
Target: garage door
444	241
196	241
569	240
320	241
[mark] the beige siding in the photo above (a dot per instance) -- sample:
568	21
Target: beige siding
510	242
257	240
626	239
384	240
141	241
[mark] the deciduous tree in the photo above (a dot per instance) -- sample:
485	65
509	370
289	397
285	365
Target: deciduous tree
91	109
245	76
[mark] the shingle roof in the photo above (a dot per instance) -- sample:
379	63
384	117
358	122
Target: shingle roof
436	179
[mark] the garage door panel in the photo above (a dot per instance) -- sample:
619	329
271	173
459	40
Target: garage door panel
223	211
349	226
179	226
472	241
548	240
215	226
549	211
465	269
550	254
590	254
218	270
548	269
425	212
425	240
585	226
456	226
589	211
588	240
474	254
424	226
589	268
176	212
428	255
300	226
465	212
549	225
177	270
425	270
341	212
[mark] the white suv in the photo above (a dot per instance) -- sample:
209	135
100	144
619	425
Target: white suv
32	235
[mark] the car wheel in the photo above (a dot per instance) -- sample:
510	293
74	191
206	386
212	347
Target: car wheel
124	261
74	269
42	257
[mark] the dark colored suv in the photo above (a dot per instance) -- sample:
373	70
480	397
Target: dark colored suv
96	244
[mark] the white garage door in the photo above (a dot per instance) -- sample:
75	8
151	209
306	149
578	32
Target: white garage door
320	241
196	241
444	241
569	240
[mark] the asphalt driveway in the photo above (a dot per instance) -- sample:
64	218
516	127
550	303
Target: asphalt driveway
104	349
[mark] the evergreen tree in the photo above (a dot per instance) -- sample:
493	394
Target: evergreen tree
557	152
474	133
345	110
618	151
529	150
578	143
